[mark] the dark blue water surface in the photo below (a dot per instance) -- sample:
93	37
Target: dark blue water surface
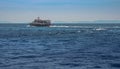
60	46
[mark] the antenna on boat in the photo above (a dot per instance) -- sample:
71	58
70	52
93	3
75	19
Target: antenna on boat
38	18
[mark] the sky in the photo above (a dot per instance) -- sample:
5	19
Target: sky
59	10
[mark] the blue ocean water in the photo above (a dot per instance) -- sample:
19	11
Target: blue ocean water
60	46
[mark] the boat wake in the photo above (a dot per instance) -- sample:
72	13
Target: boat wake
100	29
65	26
59	26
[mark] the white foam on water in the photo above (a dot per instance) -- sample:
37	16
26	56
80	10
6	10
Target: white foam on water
79	31
59	26
100	29
28	26
64	26
116	26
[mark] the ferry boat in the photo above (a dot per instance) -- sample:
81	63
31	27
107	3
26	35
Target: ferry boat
40	22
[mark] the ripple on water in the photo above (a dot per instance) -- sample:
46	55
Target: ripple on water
109	57
116	65
25	57
97	67
70	64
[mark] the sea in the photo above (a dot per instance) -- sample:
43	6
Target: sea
60	46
